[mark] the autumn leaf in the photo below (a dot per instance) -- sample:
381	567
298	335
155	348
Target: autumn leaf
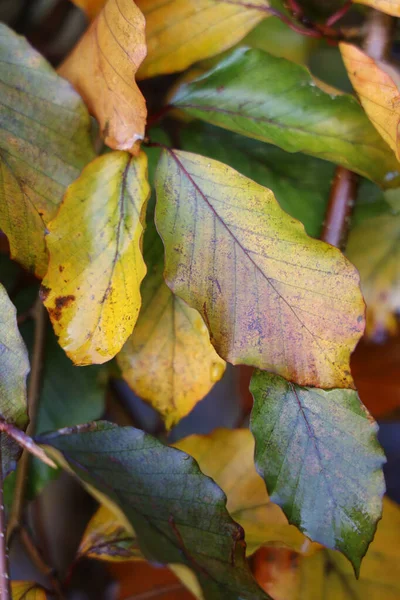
14	368
227	456
378	262
328	575
168	360
376	87
44	141
319	456
391	7
182	32
27	590
299	182
274	100
92	287
102	67
106	538
178	514
264	288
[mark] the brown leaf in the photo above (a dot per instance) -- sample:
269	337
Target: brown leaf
102	68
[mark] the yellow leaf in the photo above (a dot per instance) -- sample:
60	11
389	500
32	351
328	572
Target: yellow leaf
271	296
228	457
182	32
328	575
92	287
378	92
27	590
168	360
391	7
102	68
374	248
106	538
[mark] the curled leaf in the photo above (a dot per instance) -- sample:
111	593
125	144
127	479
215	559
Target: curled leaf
375	84
92	287
102	67
263	287
27	590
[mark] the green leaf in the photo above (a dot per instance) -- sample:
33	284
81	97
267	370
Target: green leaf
14	368
263	287
318	454
300	183
179	515
274	100
44	143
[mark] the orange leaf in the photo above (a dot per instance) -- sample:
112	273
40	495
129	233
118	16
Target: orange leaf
375	85
102	67
391	7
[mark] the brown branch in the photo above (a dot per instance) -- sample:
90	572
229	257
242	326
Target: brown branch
38	560
5	590
33	402
341	202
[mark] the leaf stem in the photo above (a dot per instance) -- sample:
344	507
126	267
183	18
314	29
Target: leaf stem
5	591
33	404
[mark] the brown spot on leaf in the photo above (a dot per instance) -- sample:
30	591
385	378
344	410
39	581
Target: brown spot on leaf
61	268
61	302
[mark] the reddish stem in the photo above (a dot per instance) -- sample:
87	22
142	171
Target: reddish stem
340	206
156	117
336	16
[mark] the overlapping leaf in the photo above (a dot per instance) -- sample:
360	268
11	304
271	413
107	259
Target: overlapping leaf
27	590
300	183
102	67
178	514
14	368
375	84
182	32
228	457
106	538
374	248
319	456
264	288
391	7
92	288
168	360
274	100
327	575
44	143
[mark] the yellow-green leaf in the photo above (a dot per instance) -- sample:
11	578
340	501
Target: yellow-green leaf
375	84
102	67
92	288
44	143
228	457
271	296
391	7
14	368
106	538
374	248
182	32
27	590
168	360
328	576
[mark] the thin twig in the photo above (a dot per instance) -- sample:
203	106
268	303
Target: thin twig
39	562
33	401
26	442
5	591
